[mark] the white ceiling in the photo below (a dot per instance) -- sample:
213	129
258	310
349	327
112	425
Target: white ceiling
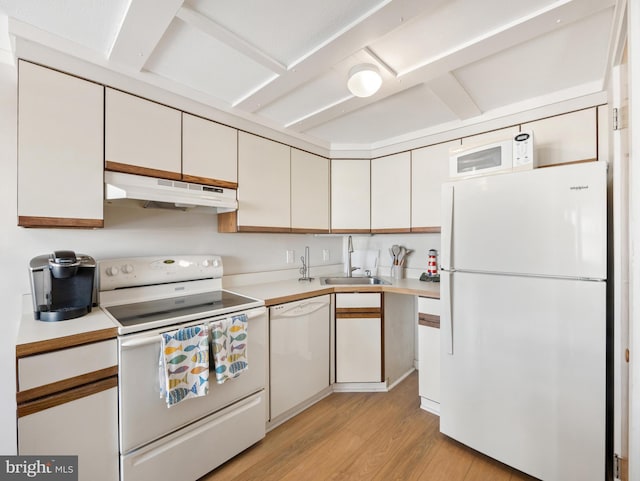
284	63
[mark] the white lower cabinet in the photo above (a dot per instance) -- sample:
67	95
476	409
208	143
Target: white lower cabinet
429	354
299	353
68	406
358	338
86	427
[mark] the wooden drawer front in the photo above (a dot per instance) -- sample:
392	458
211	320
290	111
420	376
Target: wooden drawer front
427	305
358	300
41	369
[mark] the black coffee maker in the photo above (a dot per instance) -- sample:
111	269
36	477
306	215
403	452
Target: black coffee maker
62	285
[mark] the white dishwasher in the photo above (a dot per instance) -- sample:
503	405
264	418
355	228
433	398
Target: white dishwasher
299	352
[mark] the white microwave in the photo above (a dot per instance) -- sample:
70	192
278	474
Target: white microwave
503	156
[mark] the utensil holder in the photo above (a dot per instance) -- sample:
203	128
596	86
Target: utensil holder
397	272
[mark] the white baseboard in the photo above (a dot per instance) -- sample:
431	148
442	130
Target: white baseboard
430	406
400	379
360	387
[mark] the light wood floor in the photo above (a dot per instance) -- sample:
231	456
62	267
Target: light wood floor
363	436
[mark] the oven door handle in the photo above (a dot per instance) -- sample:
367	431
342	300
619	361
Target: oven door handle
155	337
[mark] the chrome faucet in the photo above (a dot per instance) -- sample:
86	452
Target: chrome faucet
350	269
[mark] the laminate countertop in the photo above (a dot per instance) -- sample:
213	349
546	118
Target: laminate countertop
293	290
37	337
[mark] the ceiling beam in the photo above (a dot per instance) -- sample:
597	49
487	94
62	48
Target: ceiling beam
524	29
213	29
374	24
142	28
455	97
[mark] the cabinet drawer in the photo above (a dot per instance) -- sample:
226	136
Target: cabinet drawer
42	369
428	305
358	300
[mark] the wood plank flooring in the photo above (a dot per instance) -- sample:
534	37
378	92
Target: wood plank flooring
367	437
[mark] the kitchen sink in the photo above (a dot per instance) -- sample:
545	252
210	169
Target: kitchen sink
360	281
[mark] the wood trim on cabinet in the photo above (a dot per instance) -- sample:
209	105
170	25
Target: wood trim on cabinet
137	170
66	396
208	181
228	222
399	230
358	312
429	320
40	347
262	229
426	230
297	297
65	384
302	230
69	223
351	231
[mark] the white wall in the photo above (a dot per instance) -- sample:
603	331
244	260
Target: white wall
129	231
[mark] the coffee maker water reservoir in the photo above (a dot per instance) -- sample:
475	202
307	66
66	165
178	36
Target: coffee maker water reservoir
62	285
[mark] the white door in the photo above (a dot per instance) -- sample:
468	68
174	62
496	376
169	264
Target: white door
526	380
549	222
621	187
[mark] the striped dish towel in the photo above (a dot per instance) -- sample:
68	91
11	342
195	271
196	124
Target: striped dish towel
184	364
229	339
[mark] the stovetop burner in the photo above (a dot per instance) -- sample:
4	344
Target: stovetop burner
208	303
143	293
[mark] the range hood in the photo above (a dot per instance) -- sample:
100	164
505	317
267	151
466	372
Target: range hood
168	193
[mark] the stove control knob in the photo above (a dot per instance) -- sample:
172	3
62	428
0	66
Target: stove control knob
206	263
127	269
112	271
216	263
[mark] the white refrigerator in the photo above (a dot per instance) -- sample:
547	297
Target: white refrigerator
524	318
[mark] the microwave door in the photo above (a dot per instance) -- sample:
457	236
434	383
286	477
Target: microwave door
485	159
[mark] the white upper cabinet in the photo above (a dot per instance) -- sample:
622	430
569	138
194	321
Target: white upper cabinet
391	193
490	137
60	149
309	192
209	152
264	175
565	138
429	169
350	195
142	137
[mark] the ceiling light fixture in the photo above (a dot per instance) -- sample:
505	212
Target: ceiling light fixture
364	80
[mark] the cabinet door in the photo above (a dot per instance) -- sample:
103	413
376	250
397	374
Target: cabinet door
429	353
142	137
209	152
264	192
358	350
391	193
309	192
86	427
488	137
350	195
429	169
60	145
565	138
429	368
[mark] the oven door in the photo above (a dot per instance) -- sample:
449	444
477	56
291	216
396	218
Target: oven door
144	415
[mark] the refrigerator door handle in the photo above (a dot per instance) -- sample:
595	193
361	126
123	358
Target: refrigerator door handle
447	226
446	322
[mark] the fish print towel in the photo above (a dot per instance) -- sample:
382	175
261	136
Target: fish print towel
229	343
184	364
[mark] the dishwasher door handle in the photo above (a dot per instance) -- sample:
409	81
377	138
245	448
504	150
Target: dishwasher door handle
303	309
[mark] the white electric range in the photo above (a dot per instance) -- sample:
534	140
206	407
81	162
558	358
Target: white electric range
146	296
